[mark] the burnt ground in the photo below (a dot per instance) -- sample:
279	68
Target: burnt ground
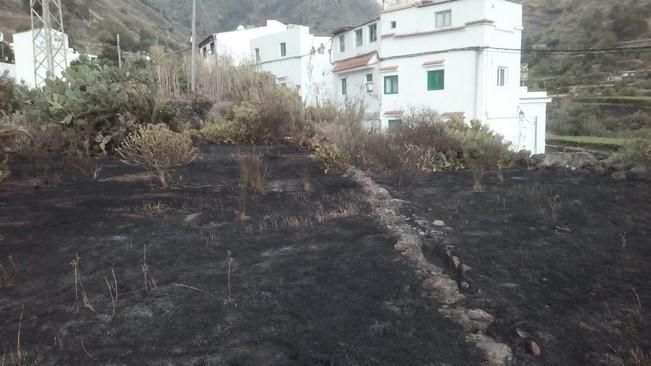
314	278
558	257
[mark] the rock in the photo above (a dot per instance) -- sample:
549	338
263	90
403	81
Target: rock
495	354
533	348
577	160
193	218
597	169
439	223
472	320
618	167
455	262
619	175
463	268
443	289
521	333
638	172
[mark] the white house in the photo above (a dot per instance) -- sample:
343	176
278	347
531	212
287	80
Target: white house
236	44
298	59
459	57
24	55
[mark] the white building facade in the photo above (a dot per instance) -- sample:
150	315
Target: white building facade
24	56
237	44
459	57
297	58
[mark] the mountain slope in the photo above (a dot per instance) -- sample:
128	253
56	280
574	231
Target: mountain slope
323	16
93	23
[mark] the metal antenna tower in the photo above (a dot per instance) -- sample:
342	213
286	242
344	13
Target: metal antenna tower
48	40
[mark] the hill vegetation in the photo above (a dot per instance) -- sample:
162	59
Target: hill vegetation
224	15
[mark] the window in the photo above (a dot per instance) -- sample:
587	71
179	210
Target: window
502	75
204	51
344	87
342	43
436	80
444	19
369	78
359	37
283	49
369	83
212	48
394	123
372	33
391	84
257	55
394	24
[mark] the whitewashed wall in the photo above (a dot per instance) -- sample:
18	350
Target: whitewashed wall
24	54
10	69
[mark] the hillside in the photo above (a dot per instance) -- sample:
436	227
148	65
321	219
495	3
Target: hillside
579	24
323	16
92	24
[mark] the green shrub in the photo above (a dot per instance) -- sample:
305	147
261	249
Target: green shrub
271	114
483	150
334	160
220	132
8	97
637	150
95	104
423	143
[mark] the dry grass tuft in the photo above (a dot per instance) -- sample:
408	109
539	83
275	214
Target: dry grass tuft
8	277
80	291
154	208
639	358
344	211
253	173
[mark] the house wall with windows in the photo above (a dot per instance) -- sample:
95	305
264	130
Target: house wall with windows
298	59
236	44
459	57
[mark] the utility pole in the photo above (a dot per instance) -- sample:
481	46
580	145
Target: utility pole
48	40
194	48
119	52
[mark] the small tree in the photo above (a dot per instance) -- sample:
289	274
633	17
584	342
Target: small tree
157	148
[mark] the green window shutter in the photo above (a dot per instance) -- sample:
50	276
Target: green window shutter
436	80
391	84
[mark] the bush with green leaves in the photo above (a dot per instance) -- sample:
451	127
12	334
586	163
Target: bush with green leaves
636	151
220	132
9	99
334	160
95	104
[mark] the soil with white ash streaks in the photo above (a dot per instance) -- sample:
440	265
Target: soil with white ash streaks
314	278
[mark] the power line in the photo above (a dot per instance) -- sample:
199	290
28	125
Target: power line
637	49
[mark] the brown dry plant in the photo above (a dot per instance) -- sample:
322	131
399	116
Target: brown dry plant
157	148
